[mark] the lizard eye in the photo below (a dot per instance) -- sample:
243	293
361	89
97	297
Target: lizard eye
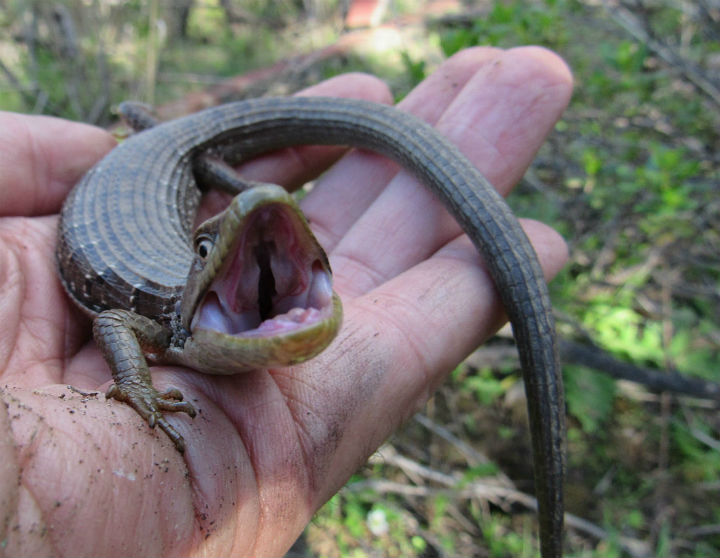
203	246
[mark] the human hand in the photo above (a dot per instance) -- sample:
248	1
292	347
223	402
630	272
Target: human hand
82	475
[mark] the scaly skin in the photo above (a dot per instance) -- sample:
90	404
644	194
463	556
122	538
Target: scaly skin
139	203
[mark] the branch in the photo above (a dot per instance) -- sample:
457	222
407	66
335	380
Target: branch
655	380
629	22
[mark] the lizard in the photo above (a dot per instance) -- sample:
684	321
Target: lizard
251	287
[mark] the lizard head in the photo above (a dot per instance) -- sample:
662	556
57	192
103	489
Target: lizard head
259	292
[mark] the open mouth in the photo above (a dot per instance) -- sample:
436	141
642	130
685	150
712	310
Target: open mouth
275	279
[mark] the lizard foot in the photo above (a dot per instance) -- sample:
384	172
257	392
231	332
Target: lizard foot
149	404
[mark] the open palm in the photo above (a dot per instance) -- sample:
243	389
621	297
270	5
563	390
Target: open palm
82	475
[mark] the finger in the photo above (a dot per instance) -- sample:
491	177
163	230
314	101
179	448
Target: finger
349	188
442	290
397	344
498	121
531	87
296	165
42	158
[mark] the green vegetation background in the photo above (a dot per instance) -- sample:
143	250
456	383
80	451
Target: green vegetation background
630	178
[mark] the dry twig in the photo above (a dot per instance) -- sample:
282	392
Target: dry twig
489	490
632	25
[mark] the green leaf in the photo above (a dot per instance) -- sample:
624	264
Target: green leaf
590	396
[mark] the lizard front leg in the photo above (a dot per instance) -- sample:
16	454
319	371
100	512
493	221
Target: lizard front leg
124	338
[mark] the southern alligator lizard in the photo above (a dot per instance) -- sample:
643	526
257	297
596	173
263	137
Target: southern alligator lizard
128	256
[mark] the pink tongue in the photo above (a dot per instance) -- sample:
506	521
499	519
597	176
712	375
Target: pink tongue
286	322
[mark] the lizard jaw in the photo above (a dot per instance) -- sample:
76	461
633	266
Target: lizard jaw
269	301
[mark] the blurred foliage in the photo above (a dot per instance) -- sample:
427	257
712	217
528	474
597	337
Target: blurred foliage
630	177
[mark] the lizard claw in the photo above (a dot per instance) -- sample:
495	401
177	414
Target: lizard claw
149	404
172	400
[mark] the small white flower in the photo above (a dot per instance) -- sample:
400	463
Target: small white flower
377	522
